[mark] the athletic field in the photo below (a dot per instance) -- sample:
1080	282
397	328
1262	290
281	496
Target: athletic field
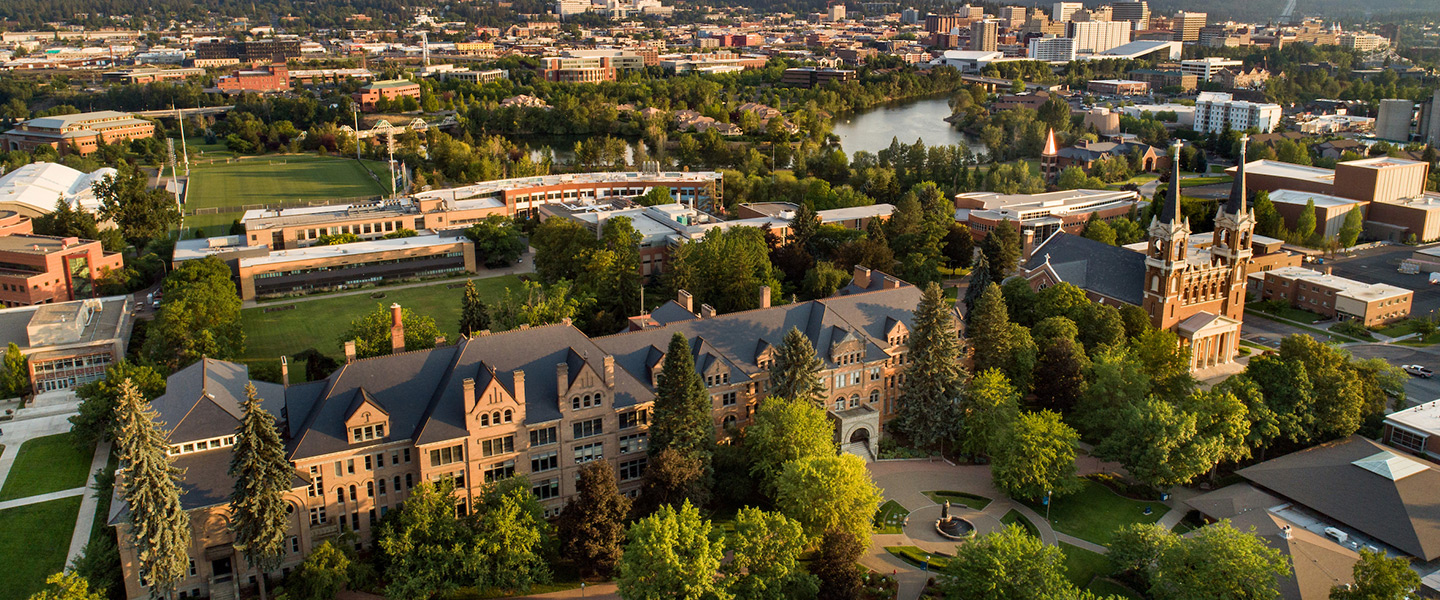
274	179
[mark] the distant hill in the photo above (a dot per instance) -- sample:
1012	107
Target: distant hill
1265	10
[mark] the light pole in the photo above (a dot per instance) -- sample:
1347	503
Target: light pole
1047	507
927	563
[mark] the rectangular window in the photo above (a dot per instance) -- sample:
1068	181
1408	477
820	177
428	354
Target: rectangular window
548	461
546	489
499	471
294	544
1407	440
370	489
633	418
317	515
380	460
592	427
368	465
339	468
496	446
544	436
634	442
727	399
447	455
409	481
631	470
317	481
381	483
588	452
407	455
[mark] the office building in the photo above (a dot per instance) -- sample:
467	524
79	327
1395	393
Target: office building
1094	37
589	69
1363	42
1369	304
389	90
1062	11
537	402
1208	69
1217	112
813	76
43	269
836	12
1136	12
984	35
1161	79
217	54
1038	216
67	344
1187	26
1117	87
1012	17
944	23
80	132
910	16
1430	119
1393	121
274	78
1052	49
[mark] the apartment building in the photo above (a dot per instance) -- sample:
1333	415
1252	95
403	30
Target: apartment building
219	54
1094	37
1052	49
812	76
984	35
81	132
1372	304
539	402
1208	68
1187	26
390	90
1117	87
1218	112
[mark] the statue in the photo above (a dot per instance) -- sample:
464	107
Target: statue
945	512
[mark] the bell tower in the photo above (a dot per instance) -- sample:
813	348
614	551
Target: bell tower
1234	230
1167	254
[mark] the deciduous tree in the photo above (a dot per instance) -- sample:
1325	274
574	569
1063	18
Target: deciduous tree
784	431
827	493
1061	375
766	549
988	412
672	555
1217	562
1009	563
835	566
1037	457
592	526
142	214
1380	577
200	316
371	332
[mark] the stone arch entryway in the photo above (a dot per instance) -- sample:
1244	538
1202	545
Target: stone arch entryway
861	435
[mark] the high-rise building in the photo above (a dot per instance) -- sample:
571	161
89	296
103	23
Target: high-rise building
984	35
1187	26
1063	10
1430	120
1136	12
1094	37
1217	112
836	12
1012	17
1209	67
971	12
943	23
1393	121
909	16
1052	49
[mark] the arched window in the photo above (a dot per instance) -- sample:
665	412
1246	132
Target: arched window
1155	283
586	402
728	421
495	417
485	420
840	403
509	416
874	396
855	401
599	399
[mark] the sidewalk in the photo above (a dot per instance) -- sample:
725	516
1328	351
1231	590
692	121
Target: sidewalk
85	521
36	499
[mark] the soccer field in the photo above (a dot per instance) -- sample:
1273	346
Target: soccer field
274	179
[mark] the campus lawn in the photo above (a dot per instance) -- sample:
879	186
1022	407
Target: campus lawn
34	541
1015	518
1083	566
1287	312
915	556
272	330
273	179
1207	180
47	464
1094	513
1406	327
890	518
961	498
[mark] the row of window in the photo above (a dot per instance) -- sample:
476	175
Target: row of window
587	401
367	433
188	447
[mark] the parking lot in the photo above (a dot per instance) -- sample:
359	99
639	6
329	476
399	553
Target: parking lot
1382	265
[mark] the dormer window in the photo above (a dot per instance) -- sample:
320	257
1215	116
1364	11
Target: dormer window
365	433
201	445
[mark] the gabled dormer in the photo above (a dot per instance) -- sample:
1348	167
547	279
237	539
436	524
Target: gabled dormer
654	363
846	347
488	402
579	386
896	333
764	354
366	421
713	369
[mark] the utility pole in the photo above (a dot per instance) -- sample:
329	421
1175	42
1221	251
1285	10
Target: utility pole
355	110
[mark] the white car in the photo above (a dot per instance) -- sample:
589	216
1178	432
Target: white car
1419	371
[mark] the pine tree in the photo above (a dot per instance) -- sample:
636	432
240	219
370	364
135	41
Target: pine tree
262	477
1002	250
979	280
989	331
474	315
795	373
592	527
933	374
682	406
159	526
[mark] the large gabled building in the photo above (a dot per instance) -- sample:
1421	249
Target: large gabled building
539	402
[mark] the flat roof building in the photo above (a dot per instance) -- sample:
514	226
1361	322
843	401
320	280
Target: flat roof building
1208	68
1371	304
339	266
68	343
43	269
1118	87
1038	216
1330	211
32	190
1415	430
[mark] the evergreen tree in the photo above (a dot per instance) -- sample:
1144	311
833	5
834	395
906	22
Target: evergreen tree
990	332
262	477
933	375
474	315
1060	375
1002	250
592	527
979	280
159	526
795	372
681	419
1305	223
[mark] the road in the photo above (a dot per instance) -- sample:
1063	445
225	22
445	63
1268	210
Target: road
1382	265
1417	390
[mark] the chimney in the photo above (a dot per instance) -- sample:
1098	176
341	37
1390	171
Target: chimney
520	387
1327	269
1285	533
610	370
349	352
861	278
764	296
707	311
284	370
686	300
469	394
889	283
562	380
397	330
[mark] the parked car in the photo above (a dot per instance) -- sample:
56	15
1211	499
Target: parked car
1419	371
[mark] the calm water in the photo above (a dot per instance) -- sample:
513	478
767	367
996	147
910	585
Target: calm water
872	131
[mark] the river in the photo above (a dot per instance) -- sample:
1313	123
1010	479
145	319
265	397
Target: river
906	121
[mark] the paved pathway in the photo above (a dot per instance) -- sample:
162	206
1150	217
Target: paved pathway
70	493
86	521
527	265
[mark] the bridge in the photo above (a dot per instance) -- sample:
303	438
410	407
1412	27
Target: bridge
203	111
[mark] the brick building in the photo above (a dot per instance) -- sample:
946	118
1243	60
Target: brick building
217	54
69	343
539	402
1117	87
274	78
390	90
80	132
43	269
1371	304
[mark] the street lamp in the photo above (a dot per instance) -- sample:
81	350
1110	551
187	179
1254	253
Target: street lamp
1047	507
927	563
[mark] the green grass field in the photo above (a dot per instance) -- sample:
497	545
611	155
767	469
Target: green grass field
1094	513
34	540
270	333
890	518
47	464
273	179
1082	566
915	556
1013	517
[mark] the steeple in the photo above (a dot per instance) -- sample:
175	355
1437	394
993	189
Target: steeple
1236	204
1170	211
1050	148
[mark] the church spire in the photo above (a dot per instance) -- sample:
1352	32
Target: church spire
1050	148
1236	204
1170	211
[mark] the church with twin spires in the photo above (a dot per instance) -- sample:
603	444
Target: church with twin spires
1192	285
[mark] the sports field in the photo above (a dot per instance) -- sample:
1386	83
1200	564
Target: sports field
272	179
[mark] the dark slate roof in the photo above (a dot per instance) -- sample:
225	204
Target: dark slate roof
203	400
1236	203
1401	512
1093	266
1098	150
671	312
